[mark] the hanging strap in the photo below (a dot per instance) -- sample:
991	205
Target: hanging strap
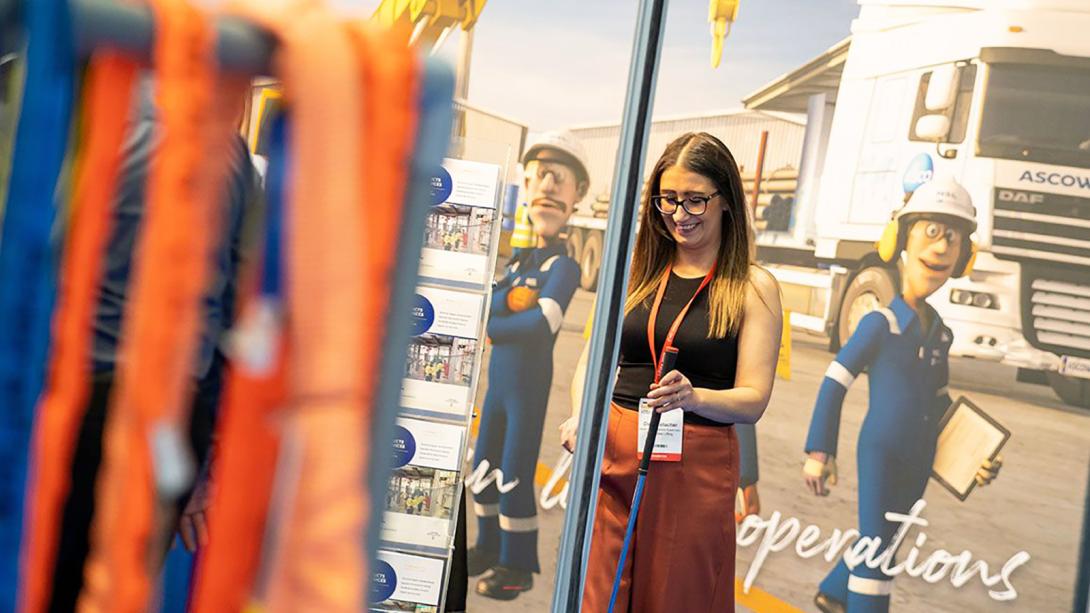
324	299
146	465
315	555
248	432
27	259
391	76
108	89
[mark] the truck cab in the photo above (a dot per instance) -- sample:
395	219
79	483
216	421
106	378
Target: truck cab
997	94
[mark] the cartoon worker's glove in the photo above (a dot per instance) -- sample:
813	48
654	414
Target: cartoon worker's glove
819	470
989	470
748	503
521	298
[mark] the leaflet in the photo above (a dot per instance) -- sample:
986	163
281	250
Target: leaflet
442	354
422	490
460	227
403	582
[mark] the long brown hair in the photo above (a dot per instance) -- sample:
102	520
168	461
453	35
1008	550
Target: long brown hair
705	155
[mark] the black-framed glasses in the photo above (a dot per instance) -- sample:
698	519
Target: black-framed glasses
693	205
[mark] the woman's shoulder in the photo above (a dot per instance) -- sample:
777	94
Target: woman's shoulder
763	286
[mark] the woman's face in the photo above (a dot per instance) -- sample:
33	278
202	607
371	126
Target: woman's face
696	232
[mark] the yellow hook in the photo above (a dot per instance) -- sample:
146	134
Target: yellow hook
721	15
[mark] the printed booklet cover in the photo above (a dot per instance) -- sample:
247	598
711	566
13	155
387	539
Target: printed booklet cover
461	223
403	582
442	353
422	490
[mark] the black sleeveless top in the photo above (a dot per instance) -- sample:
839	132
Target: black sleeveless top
707	362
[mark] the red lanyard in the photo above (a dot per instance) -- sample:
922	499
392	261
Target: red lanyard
655	359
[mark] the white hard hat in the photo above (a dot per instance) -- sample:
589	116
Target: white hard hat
942	195
564	142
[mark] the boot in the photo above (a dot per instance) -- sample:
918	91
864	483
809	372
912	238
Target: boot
828	604
504	583
479	560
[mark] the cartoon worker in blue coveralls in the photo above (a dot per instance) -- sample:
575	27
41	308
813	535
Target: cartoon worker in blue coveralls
905	347
528	306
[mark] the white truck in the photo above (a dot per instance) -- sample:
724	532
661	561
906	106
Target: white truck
995	92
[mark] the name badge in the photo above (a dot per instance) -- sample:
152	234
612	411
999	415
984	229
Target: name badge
669	437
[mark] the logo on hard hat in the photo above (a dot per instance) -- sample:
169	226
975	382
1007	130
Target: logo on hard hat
920	170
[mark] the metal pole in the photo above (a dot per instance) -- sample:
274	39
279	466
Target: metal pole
8	10
620	232
760	170
129	27
1082	577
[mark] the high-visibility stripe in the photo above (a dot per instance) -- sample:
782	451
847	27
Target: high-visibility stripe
553	313
869	587
518	524
547	264
891	317
837	372
109	86
486	510
523	234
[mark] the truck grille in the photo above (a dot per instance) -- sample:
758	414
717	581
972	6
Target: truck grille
1056	314
1041	227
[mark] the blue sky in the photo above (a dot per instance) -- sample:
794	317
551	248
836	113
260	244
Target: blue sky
558	63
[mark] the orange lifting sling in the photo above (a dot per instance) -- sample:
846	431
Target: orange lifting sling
389	73
145	463
107	91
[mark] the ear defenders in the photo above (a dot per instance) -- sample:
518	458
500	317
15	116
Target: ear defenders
895	236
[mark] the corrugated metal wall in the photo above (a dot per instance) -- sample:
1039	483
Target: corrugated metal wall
740	131
492	138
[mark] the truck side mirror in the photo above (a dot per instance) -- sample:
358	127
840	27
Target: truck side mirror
933	127
942	89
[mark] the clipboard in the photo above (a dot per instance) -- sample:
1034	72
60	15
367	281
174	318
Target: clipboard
967	437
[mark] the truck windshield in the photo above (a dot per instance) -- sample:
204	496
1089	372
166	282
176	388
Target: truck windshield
1037	113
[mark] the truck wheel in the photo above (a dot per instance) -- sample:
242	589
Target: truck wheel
871	289
575	244
1072	390
591	261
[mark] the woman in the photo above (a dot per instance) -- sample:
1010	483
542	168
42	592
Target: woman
694	247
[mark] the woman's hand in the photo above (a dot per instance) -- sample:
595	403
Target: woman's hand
568	430
673	391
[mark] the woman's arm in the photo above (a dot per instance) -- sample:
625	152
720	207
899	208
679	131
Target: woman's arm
758	352
569	428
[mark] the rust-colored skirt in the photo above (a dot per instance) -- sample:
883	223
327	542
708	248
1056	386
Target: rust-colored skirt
682	553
